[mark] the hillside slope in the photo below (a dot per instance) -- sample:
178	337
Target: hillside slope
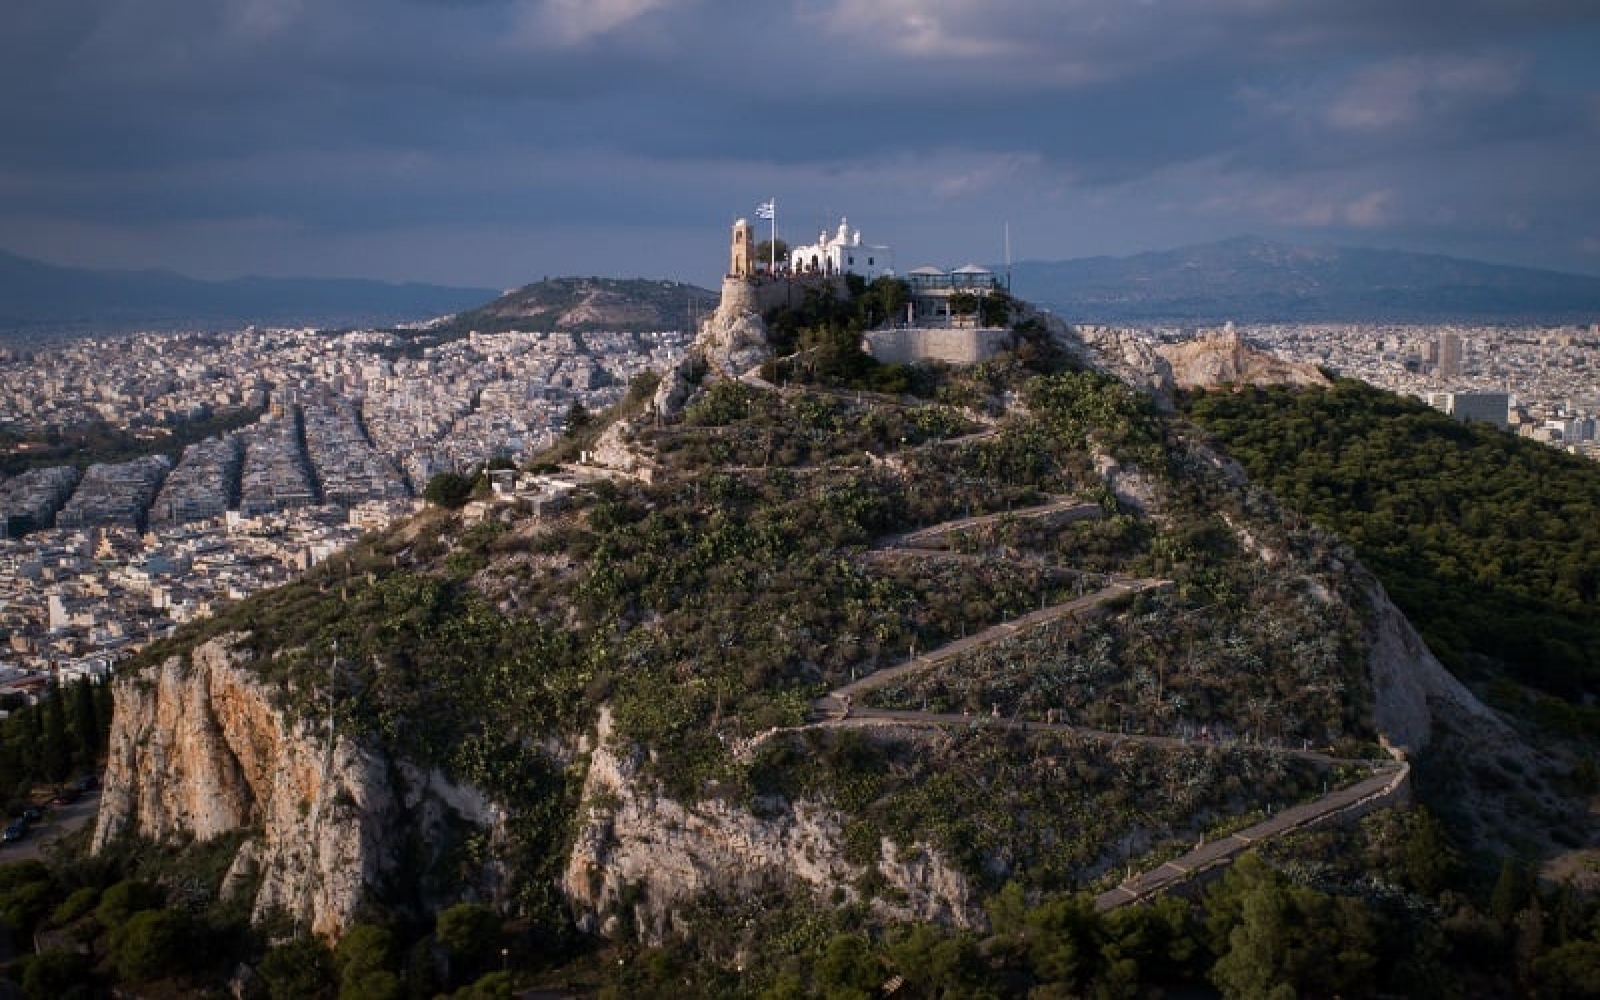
846	661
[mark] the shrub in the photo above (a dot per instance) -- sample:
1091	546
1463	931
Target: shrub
448	489
151	944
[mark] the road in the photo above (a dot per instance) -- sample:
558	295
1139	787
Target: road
1069	509
59	822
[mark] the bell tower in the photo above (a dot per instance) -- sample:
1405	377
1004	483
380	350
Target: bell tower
741	251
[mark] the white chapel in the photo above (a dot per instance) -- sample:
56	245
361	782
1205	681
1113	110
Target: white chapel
842	253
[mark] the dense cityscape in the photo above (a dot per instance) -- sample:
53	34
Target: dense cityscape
97	562
1542	383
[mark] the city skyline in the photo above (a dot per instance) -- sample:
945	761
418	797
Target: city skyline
492	142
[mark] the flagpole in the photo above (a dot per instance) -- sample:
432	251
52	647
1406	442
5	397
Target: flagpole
772	248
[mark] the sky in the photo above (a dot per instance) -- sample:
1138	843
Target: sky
495	142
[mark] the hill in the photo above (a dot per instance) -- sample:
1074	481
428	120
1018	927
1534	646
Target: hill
1489	543
39	300
1253	280
586	305
835	689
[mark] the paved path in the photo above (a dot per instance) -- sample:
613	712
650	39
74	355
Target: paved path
1211	855
1066	509
834	700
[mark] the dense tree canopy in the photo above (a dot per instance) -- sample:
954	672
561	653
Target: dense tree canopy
1451	516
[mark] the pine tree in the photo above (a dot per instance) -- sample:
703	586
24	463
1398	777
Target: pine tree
85	724
56	749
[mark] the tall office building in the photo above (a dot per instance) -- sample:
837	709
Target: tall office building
1449	355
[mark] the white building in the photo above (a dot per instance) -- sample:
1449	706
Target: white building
842	253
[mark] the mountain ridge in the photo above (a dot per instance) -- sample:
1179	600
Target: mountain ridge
38	299
1249	279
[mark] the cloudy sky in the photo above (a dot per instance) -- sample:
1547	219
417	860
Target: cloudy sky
493	142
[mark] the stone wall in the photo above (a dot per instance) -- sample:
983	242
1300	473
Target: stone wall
956	346
762	294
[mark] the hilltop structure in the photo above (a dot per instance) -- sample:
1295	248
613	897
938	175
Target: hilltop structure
935	327
843	253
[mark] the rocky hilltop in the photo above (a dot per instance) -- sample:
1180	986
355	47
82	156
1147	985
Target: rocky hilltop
799	647
1214	358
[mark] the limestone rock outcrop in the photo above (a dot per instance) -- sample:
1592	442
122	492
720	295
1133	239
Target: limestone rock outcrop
733	340
640	857
615	450
1217	357
1412	691
199	749
1222	356
1128	354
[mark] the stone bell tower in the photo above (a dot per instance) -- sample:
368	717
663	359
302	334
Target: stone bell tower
741	251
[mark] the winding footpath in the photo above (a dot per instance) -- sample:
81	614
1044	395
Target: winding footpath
837	710
1083	607
1388	781
1064	509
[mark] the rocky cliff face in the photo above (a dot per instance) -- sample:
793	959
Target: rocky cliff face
1411	688
1221	356
198	750
733	339
639	857
1216	358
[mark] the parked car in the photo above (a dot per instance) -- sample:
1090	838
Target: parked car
16	831
65	796
32	814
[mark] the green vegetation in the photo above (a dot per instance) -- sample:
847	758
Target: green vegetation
765	564
1277	665
451	490
818	341
543	307
101	442
1451	517
767	251
47	743
1069	813
175	936
1340	913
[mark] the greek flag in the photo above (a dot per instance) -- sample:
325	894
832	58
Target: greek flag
767	209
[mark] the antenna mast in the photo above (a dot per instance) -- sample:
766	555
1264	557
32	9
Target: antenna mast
1008	257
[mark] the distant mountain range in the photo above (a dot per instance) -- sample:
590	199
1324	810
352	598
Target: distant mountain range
39	300
1254	280
1244	279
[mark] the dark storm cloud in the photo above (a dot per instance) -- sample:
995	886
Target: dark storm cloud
1420	121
